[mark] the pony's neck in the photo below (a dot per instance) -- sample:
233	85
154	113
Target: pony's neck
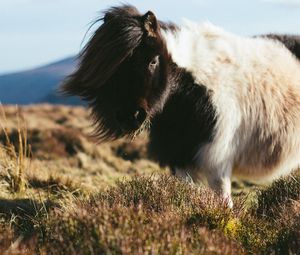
186	120
195	47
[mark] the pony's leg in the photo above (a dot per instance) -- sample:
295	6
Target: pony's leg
182	175
219	180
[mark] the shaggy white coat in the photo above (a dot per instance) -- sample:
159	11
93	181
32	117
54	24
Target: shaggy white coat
255	88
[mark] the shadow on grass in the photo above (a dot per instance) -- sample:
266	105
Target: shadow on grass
55	186
25	216
23	207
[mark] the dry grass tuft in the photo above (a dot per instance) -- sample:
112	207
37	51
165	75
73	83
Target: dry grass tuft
14	162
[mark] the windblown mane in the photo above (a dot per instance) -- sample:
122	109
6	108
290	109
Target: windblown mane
111	74
110	45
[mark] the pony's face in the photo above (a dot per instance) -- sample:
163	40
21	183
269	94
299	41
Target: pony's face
123	73
138	85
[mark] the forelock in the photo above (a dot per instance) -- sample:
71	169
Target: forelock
113	42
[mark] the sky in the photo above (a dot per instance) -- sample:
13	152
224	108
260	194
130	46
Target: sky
37	32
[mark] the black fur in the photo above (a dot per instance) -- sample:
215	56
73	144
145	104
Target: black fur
120	75
186	123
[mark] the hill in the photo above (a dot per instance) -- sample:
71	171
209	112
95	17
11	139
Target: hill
37	85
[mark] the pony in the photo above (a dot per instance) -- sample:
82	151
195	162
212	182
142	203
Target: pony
216	105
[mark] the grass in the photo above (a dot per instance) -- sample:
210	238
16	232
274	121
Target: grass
109	199
14	161
149	215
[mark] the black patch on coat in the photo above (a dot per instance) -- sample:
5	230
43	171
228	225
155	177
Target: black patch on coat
186	123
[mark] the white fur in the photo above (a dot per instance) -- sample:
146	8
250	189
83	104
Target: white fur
255	84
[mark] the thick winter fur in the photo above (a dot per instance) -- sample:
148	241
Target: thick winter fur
292	42
219	104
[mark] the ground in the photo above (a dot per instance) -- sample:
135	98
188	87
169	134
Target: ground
61	192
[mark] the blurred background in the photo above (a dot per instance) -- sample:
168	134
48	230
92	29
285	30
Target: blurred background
41	38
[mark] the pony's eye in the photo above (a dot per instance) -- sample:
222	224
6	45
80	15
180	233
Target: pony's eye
154	62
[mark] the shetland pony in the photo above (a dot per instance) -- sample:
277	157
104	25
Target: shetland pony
217	105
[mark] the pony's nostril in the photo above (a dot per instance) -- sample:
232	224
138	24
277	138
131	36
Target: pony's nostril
133	120
140	115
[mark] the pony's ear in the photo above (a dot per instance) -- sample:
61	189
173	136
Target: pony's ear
150	24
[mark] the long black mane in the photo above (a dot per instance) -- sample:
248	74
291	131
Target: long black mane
112	70
110	45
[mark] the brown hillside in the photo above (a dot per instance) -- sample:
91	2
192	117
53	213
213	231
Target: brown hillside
62	145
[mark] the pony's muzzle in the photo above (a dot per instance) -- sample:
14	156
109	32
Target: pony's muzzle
140	115
132	120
